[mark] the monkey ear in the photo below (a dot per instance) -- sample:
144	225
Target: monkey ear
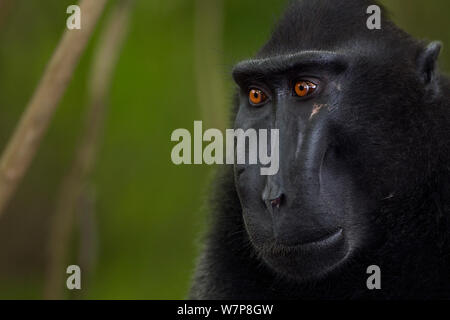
427	61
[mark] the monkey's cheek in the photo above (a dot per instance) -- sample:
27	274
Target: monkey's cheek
249	185
257	219
258	225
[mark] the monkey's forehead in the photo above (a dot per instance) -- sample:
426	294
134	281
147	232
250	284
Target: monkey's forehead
330	25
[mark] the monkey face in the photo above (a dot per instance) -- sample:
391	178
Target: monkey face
338	159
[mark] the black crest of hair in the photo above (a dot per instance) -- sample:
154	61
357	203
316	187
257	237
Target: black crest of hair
384	132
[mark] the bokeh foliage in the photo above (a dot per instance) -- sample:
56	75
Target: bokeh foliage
149	212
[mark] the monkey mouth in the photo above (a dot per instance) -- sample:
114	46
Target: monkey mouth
309	260
320	243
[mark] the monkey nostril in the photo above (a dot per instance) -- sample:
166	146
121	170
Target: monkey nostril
275	203
272	195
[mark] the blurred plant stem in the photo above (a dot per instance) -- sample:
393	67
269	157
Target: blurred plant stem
88	236
34	122
208	62
75	184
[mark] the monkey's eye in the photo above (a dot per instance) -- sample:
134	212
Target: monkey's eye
304	88
256	97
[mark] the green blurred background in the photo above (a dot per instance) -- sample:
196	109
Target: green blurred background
148	212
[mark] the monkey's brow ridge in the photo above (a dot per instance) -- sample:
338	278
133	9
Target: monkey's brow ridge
282	63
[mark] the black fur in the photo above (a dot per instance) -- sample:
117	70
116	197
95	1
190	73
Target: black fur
394	120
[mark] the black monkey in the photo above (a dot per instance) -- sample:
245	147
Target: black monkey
364	178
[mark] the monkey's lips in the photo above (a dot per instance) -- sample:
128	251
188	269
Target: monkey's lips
321	242
309	260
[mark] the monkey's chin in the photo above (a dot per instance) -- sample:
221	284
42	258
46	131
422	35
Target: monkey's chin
309	261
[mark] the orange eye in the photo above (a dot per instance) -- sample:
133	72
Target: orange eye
256	96
304	88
